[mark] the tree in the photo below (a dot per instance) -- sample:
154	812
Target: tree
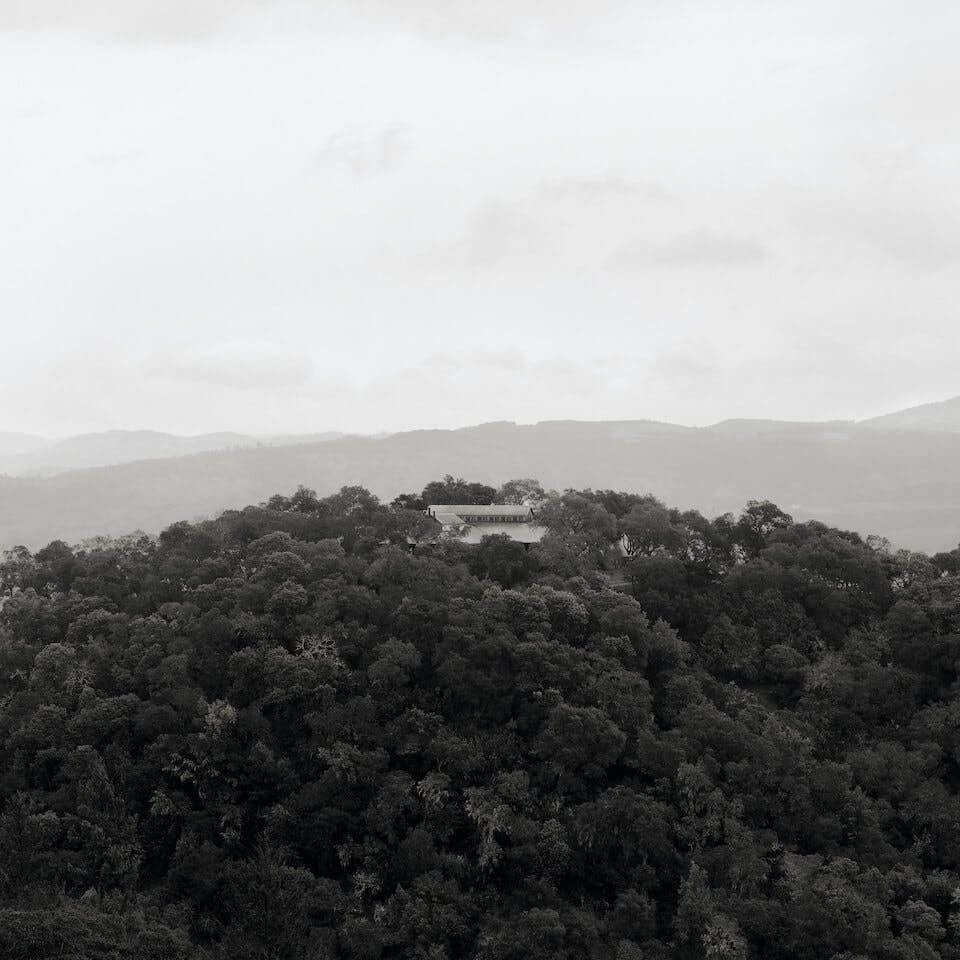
450	490
502	559
282	733
408	501
527	492
649	529
583	529
758	520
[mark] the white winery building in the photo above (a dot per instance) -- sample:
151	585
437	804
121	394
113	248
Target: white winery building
470	522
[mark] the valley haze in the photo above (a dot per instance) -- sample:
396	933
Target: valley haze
893	475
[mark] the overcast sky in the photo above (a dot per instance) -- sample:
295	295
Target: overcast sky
387	214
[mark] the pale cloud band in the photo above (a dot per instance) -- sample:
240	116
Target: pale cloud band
276	217
244	364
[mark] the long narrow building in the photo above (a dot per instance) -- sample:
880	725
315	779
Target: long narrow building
470	522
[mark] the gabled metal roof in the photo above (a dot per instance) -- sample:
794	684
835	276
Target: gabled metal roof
481	510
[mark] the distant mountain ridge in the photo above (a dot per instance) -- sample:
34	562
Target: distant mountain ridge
942	415
894	475
756	428
25	455
901	484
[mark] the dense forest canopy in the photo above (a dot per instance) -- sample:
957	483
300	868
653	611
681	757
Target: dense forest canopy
284	734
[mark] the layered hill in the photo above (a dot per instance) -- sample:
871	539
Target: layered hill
26	455
943	415
15	444
23	454
899	484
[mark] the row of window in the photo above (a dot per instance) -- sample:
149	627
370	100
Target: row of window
488	519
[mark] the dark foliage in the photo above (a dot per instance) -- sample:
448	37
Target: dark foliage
448	490
283	734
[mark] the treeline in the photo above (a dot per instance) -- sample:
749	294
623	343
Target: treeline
284	734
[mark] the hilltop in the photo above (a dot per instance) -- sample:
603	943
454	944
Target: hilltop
900	484
282	734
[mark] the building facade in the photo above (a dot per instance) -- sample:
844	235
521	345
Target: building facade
471	522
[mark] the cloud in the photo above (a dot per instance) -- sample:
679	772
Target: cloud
498	233
365	151
902	223
495	20
554	222
127	19
451	390
186	20
30	113
112	158
603	188
243	364
569	376
702	248
936	248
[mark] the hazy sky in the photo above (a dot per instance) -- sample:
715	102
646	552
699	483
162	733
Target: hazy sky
383	214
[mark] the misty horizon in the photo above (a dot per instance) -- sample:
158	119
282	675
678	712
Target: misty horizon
385	217
335	429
